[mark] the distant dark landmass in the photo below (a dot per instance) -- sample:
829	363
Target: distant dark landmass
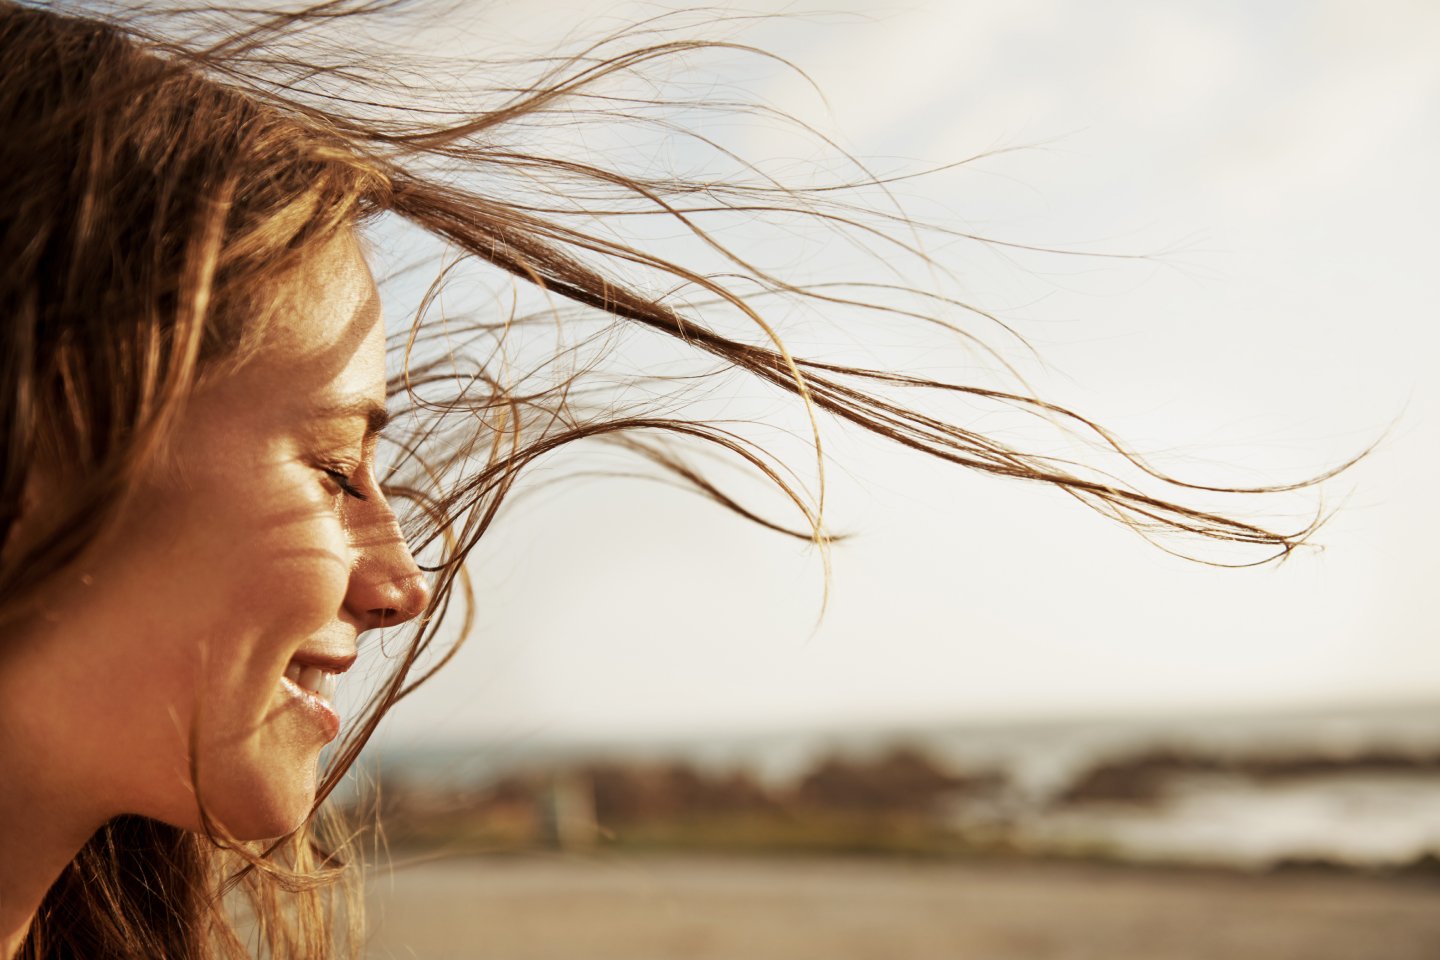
1146	777
1267	803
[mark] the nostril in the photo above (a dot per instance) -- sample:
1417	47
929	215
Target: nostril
387	589
406	599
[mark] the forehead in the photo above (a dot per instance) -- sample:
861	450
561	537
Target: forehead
328	303
325	342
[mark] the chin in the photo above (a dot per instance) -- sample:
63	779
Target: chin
260	806
271	823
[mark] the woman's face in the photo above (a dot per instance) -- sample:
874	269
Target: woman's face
245	565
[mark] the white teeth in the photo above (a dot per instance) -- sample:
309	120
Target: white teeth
312	679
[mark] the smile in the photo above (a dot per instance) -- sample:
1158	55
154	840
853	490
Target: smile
312	679
311	688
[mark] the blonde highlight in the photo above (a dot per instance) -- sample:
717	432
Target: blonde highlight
206	177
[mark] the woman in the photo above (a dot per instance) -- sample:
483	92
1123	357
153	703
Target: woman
195	533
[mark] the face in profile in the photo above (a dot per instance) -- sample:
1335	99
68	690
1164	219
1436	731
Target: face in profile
212	626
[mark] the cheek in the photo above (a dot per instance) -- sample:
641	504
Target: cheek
289	582
294	583
260	578
230	609
258	757
286	560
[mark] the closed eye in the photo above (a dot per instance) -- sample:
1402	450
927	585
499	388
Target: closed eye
345	483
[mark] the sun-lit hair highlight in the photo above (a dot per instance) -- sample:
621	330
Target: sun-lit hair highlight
162	174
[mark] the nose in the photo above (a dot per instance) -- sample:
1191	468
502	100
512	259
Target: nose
386	586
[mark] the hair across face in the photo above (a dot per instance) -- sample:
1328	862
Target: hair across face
147	217
260	542
192	366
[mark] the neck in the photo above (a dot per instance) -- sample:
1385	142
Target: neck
43	821
35	847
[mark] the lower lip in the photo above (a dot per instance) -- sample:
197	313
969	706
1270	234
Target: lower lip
316	707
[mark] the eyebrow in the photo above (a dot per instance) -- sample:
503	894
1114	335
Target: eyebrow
372	412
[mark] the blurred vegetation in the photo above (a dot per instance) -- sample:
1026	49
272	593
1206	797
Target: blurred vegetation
897	803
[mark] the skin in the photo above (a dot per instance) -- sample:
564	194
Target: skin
241	552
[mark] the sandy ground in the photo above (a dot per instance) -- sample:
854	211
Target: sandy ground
744	909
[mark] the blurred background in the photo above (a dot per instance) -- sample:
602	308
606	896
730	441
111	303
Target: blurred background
1019	730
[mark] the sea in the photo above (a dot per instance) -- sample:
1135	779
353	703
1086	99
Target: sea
1337	805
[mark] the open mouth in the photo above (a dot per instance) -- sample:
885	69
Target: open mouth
311	688
312	679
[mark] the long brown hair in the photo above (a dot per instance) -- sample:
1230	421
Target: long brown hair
155	191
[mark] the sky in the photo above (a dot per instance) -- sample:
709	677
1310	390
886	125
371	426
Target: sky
1279	157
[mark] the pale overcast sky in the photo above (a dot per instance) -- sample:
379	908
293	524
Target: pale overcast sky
1287	152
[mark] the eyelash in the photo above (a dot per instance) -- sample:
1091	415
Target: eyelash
343	481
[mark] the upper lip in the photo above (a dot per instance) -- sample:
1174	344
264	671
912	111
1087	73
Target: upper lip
329	659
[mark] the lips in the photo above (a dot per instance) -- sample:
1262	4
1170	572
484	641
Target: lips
310	679
314	668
